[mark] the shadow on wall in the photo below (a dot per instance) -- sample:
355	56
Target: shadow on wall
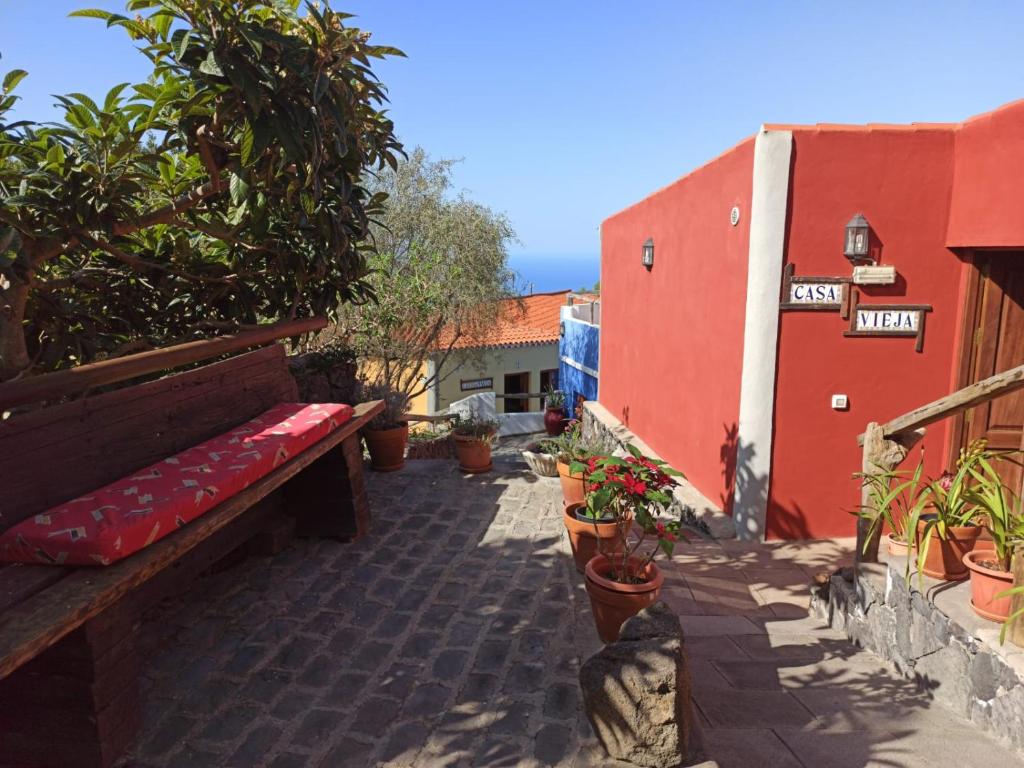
741	481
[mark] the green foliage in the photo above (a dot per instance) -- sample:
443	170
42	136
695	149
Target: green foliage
475	426
892	500
439	273
996	506
228	188
573	447
554	398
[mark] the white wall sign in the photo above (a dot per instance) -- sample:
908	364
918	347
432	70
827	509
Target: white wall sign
889	320
905	321
467	385
813	293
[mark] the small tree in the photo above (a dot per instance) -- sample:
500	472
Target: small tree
439	273
225	190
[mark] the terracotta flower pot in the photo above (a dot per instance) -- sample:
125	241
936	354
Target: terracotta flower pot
554	421
387	447
945	556
474	454
612	603
897	547
573	490
583	538
986	583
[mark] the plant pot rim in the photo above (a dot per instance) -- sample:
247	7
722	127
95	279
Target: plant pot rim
472	438
598	563
573	511
957	528
969	561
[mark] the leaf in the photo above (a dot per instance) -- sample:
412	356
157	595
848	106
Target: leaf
110	103
180	40
246	142
92	13
238	188
12	78
210	66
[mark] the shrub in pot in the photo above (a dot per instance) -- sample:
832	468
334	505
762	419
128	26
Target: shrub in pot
387	435
473	437
631	494
891	501
998	509
554	412
572	447
944	523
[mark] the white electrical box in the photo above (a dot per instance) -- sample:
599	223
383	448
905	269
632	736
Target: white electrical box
840	402
874	275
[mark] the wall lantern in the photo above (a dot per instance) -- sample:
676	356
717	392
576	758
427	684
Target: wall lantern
647	255
561	328
857	238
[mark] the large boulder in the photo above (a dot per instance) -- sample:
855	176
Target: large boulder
636	693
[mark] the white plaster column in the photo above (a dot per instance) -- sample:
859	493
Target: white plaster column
772	153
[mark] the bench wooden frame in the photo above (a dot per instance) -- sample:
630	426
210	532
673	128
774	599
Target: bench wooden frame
68	666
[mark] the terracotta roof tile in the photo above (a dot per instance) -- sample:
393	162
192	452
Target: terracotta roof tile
524	320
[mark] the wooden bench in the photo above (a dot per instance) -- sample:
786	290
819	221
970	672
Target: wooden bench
68	666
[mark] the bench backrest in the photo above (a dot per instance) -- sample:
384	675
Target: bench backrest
54	454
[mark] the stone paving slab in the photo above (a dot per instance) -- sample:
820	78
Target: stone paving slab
452	636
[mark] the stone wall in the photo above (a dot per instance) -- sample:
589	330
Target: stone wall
696	509
325	377
963	667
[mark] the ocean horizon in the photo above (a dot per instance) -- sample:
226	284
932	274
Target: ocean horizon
547	273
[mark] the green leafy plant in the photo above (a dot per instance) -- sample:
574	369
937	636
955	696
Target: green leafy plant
572	446
554	398
396	404
945	504
636	489
227	189
893	498
996	507
476	427
1015	615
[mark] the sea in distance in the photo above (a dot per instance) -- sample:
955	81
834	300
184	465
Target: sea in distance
547	273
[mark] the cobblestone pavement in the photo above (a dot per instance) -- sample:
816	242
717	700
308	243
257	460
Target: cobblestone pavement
452	636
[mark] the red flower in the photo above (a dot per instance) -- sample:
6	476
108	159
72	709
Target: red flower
946	481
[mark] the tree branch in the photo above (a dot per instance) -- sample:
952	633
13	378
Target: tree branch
167	214
137	262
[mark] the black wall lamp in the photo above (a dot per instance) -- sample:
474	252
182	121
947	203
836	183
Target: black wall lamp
647	255
858	239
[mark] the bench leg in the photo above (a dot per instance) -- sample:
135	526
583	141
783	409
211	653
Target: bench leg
328	498
76	705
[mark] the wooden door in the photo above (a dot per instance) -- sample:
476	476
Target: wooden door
515	384
996	317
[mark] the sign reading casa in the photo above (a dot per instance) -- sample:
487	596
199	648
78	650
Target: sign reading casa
815	293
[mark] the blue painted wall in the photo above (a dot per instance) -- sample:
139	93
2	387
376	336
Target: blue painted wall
579	343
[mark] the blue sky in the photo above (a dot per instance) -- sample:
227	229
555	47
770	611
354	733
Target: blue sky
566	111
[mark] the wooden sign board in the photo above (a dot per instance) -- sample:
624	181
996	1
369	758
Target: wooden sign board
822	294
467	385
889	320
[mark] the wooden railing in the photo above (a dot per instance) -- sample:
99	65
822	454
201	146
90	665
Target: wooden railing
886	445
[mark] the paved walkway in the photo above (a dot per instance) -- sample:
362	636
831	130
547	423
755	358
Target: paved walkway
452	636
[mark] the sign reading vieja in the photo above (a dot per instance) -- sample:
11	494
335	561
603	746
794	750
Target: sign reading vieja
467	384
889	320
813	293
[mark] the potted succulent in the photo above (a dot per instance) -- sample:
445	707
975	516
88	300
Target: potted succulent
998	509
632	493
473	437
554	412
568	448
891	500
944	525
388	433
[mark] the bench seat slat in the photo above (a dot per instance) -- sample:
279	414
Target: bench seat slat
39	621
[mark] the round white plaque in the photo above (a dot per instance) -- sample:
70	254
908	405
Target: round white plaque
734	215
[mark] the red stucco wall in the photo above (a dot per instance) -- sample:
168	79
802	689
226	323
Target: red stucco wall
672	338
901	180
986	208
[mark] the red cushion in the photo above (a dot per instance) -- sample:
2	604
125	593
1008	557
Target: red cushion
125	516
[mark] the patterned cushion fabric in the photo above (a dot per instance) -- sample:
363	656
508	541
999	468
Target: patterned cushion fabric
123	517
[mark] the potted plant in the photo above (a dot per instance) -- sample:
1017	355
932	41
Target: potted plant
944	524
541	460
891	500
998	509
586	530
632	493
572	448
388	433
554	412
473	438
